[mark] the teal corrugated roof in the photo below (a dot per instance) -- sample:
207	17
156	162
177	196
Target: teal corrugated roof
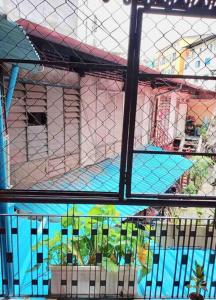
152	173
14	43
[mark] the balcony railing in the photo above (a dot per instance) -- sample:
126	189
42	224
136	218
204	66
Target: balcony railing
98	256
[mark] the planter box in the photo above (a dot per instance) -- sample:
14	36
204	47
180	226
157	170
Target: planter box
86	280
185	235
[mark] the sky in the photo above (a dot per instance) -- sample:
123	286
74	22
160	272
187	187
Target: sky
106	25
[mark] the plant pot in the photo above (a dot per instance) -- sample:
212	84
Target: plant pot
194	296
93	280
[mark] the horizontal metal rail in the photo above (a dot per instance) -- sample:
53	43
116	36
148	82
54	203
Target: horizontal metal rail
150	76
174	153
105	67
61	197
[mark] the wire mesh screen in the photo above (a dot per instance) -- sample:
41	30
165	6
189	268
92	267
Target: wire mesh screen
62	116
64	125
179	109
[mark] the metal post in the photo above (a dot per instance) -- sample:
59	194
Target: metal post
133	100
128	98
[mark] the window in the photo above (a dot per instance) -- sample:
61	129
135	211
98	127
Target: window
197	64
174	56
193	52
210	46
186	66
207	61
163	60
36	118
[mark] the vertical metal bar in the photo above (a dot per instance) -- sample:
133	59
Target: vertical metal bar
209	249
128	94
133	101
159	253
166	237
176	257
212	251
48	250
37	247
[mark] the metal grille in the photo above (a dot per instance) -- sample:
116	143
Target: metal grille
51	256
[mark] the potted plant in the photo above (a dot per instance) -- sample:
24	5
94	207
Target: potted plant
198	282
98	255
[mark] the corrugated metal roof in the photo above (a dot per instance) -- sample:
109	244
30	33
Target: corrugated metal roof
152	173
14	44
39	31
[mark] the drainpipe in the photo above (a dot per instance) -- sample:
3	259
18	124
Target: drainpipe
5	238
11	87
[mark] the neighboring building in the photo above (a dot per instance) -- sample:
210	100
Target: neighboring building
171	59
62	119
200	60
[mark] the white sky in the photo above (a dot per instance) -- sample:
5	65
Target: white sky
158	31
111	30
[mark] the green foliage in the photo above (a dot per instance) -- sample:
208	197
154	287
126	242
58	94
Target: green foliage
198	279
203	132
112	245
190	189
198	173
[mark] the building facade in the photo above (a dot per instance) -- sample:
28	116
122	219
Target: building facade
200	60
171	59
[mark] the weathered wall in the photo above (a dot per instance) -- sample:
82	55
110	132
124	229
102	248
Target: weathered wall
43	151
83	126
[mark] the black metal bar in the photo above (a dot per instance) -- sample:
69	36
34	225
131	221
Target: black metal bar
128	94
151	76
195	13
174	200
133	100
76	65
60	193
105	67
174	153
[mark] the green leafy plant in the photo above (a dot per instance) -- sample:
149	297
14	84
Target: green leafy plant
198	279
203	132
99	233
190	189
198	174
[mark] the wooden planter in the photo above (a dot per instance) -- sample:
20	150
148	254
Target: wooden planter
91	280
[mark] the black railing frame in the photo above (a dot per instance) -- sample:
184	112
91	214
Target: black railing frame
132	81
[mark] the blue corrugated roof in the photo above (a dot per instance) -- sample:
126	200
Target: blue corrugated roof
152	173
15	44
